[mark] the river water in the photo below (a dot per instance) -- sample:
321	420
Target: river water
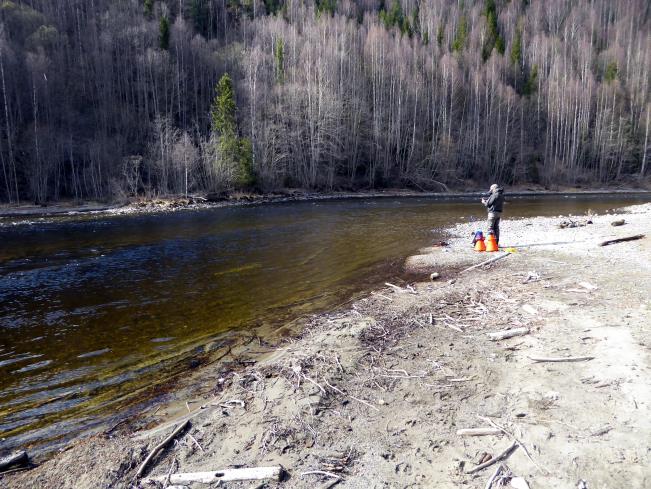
94	310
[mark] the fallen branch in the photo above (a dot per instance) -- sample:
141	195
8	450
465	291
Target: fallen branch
487	262
228	404
364	402
160	446
195	441
621	240
507	333
383	296
320	472
601	431
505	454
17	458
395	287
478	431
226	475
560	359
456	328
408	290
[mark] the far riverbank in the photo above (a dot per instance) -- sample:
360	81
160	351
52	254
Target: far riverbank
177	203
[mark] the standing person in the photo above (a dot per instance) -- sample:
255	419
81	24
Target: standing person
494	204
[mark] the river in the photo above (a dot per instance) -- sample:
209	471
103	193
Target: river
94	310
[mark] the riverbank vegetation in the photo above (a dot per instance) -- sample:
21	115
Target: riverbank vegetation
106	99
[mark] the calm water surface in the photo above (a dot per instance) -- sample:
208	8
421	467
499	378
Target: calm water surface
92	308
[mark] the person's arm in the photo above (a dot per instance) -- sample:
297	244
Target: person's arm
490	200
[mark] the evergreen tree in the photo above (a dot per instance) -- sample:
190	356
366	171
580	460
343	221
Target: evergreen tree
532	81
200	16
149	7
272	6
516	49
440	35
328	6
396	17
461	35
244	175
610	73
279	55
164	33
222	113
493	37
233	151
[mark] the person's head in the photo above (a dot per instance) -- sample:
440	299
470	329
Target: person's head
493	188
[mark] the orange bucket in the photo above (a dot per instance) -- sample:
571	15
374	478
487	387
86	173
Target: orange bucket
491	245
479	245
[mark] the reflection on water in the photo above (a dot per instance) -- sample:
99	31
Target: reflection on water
90	307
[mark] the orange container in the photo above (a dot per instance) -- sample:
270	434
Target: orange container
479	245
491	244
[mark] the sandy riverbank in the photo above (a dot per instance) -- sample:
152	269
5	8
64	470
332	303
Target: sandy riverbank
376	393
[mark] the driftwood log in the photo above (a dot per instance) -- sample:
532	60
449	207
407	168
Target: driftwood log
560	359
478	431
507	333
621	240
17	458
225	475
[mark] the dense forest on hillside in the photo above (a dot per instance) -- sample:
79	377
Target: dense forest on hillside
113	98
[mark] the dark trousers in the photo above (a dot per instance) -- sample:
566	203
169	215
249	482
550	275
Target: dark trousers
494	225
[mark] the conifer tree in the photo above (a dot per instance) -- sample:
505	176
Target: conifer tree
279	55
149	7
532	81
200	16
461	35
233	151
440	35
516	49
610	73
164	33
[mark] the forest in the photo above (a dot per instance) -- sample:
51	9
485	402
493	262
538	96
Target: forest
111	99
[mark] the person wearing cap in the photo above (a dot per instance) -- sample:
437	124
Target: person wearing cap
494	204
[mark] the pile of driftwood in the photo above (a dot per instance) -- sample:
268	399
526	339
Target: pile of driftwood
569	223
